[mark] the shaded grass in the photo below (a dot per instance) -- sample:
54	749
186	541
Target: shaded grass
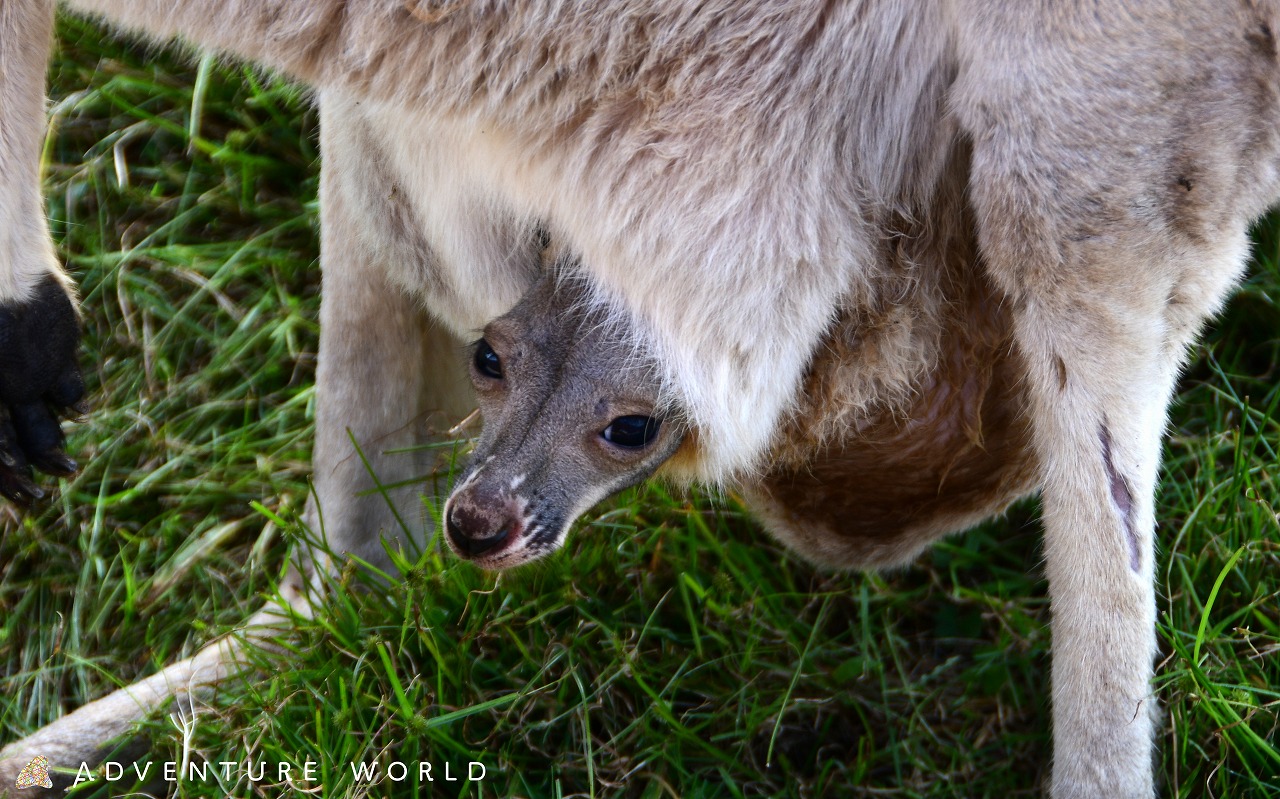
671	650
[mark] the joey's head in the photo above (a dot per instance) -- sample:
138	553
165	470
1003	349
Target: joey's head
571	415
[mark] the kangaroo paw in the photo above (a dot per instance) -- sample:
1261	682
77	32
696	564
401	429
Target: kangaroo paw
40	382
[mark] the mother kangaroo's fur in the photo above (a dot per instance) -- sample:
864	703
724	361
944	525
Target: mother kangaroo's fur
933	241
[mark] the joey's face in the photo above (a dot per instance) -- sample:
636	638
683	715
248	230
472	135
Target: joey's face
571	416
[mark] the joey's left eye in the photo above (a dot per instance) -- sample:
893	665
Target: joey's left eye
486	360
631	432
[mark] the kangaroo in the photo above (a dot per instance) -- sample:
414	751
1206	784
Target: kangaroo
970	238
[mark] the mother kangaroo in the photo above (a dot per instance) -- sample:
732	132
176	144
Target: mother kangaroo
735	176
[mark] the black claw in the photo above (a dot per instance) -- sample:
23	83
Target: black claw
11	457
19	488
32	490
55	463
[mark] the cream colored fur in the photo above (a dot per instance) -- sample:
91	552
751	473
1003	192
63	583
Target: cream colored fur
26	250
730	172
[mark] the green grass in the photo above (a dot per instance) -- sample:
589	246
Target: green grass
670	650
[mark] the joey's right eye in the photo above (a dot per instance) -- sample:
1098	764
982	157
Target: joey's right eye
632	432
486	360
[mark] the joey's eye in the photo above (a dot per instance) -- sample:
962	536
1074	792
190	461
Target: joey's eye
486	360
632	432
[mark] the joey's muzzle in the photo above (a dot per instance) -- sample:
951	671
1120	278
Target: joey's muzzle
482	521
468	545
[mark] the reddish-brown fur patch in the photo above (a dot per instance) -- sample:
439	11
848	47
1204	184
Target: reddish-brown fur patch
954	451
960	454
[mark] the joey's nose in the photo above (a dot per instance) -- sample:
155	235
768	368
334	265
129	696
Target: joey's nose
471	536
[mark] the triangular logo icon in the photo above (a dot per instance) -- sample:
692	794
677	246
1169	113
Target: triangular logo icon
35	773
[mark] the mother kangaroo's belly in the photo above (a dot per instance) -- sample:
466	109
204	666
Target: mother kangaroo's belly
954	454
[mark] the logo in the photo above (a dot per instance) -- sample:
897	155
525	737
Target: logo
35	773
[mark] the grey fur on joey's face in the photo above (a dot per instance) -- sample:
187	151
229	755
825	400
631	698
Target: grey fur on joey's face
571	415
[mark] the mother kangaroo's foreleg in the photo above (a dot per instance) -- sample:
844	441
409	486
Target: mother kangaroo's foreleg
39	330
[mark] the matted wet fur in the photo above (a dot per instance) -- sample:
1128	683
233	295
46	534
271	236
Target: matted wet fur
738	176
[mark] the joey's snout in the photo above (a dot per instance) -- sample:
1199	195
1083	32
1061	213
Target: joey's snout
481	520
475	533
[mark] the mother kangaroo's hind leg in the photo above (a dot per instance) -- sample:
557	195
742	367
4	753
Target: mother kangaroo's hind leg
1118	159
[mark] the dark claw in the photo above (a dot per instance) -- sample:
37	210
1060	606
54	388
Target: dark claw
19	489
56	463
17	485
15	474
